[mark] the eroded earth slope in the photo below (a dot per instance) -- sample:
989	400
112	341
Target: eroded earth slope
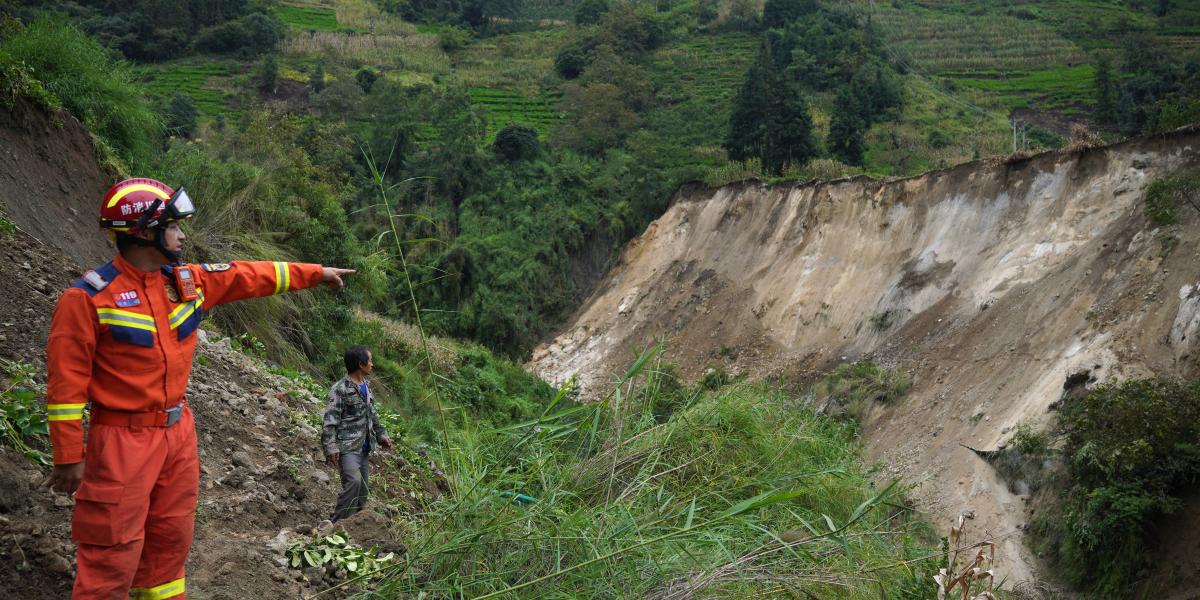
990	284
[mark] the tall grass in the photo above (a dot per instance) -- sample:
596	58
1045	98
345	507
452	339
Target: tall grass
88	81
741	491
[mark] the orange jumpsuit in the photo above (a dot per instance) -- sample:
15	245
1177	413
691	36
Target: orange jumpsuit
122	341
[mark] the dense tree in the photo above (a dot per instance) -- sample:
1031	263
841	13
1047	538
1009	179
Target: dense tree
267	76
748	120
781	13
516	142
597	117
179	115
316	80
571	60
1106	93
589	12
846	129
770	118
366	78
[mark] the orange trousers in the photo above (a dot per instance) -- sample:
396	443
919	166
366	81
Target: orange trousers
135	511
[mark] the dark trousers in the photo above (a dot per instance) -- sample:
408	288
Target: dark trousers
353	498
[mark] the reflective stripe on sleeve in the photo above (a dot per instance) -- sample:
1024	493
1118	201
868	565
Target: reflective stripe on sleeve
166	590
64	412
282	277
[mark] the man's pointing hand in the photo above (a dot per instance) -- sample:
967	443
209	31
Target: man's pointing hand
332	276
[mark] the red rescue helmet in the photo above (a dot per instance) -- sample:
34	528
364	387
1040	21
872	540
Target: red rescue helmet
140	204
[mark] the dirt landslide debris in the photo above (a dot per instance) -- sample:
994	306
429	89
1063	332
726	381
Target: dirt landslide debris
263	482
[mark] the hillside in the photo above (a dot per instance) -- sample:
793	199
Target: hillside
992	286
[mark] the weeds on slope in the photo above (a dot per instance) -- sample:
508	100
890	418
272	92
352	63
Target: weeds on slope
741	490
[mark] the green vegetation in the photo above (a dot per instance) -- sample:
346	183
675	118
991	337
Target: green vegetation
335	552
1131	451
200	80
7	228
77	73
23	424
308	18
851	388
1063	89
623	504
1165	196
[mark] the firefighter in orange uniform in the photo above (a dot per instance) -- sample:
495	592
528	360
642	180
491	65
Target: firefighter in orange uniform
121	343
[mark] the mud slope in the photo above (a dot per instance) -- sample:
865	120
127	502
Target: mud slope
989	284
50	182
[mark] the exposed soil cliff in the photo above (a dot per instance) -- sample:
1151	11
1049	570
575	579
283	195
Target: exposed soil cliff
989	284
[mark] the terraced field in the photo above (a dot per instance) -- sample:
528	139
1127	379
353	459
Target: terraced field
509	106
1063	90
308	17
206	82
936	41
696	81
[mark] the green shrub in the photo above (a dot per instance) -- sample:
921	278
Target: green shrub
625	506
180	115
850	388
453	38
516	142
23	424
83	76
1131	449
1164	196
589	12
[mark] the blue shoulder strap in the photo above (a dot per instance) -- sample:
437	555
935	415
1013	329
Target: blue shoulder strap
97	279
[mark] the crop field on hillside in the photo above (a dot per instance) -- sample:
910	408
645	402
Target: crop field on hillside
520	61
410	52
696	81
1063	89
308	18
200	81
937	129
507	106
936	41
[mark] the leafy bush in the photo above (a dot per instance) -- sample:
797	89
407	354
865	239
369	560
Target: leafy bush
79	74
1164	196
516	142
589	12
1131	448
180	115
851	388
571	61
251	35
23	424
453	38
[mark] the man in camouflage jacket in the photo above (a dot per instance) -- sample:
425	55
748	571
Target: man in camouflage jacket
351	430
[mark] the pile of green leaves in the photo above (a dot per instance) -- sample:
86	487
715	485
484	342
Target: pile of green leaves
1132	448
23	424
334	551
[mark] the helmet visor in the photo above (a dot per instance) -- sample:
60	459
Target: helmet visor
180	206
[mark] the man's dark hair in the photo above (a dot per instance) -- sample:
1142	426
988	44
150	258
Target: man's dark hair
356	358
